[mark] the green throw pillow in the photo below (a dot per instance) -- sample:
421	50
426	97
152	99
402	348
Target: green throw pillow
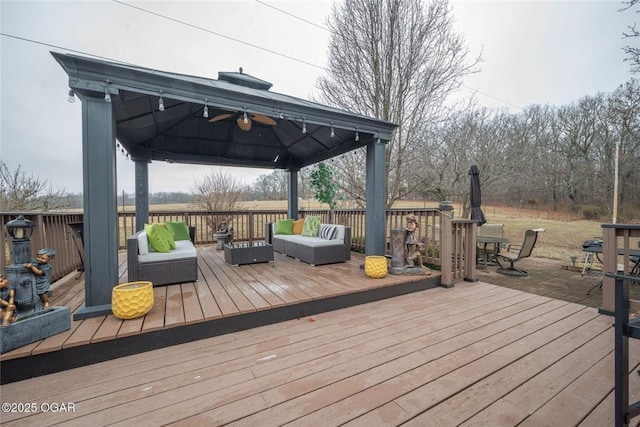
166	235
284	226
156	240
178	230
311	226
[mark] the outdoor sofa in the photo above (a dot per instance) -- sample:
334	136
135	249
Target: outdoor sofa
162	268
331	244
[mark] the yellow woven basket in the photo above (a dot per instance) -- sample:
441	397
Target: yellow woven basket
375	266
131	300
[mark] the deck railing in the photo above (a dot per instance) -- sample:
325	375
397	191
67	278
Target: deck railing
51	231
454	255
617	242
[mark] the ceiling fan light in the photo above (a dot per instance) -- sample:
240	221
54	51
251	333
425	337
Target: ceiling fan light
242	125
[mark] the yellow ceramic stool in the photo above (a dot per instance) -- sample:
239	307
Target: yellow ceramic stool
131	300
375	266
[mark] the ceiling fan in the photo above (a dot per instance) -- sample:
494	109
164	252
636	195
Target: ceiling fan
244	120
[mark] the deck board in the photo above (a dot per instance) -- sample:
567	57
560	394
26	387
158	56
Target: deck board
225	302
476	354
192	308
84	332
221	291
240	301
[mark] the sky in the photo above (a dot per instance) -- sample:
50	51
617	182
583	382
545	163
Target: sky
534	52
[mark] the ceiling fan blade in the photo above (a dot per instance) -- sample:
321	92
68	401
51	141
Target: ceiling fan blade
242	125
221	117
265	120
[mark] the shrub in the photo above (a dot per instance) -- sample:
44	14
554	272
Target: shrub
590	212
432	251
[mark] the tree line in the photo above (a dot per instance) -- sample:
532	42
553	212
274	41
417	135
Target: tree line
561	157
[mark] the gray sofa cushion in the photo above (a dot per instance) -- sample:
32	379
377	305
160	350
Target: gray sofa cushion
184	249
314	250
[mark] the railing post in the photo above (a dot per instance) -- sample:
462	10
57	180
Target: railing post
470	274
250	225
609	265
5	241
621	354
446	253
38	238
611	234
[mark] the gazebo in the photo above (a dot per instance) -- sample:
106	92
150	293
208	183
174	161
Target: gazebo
235	121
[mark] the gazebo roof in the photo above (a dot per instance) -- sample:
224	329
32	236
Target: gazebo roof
295	132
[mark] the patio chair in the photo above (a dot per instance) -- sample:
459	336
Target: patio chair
530	238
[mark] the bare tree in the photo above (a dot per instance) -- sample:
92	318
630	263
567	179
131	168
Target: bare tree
272	186
20	191
474	136
633	52
217	192
396	60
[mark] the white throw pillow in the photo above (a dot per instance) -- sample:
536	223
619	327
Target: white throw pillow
143	244
328	232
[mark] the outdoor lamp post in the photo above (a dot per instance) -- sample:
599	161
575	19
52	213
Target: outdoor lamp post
34	319
20	230
21	278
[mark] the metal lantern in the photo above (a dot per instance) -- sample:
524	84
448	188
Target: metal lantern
20	228
20	278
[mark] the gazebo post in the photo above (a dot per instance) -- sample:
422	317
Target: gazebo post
375	211
142	194
292	194
100	206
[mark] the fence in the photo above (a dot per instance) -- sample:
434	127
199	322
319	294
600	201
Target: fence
53	230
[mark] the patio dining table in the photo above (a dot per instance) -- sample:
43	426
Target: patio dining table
596	250
485	241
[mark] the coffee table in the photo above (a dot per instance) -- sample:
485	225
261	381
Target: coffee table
248	253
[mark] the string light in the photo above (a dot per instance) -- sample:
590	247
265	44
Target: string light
72	96
161	103
205	113
304	126
333	133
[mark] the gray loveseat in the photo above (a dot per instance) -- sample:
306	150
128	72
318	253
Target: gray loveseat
312	250
177	266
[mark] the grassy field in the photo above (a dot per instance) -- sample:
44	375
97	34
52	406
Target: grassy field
562	238
563	235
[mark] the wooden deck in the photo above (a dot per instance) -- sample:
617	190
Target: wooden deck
473	355
224	299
